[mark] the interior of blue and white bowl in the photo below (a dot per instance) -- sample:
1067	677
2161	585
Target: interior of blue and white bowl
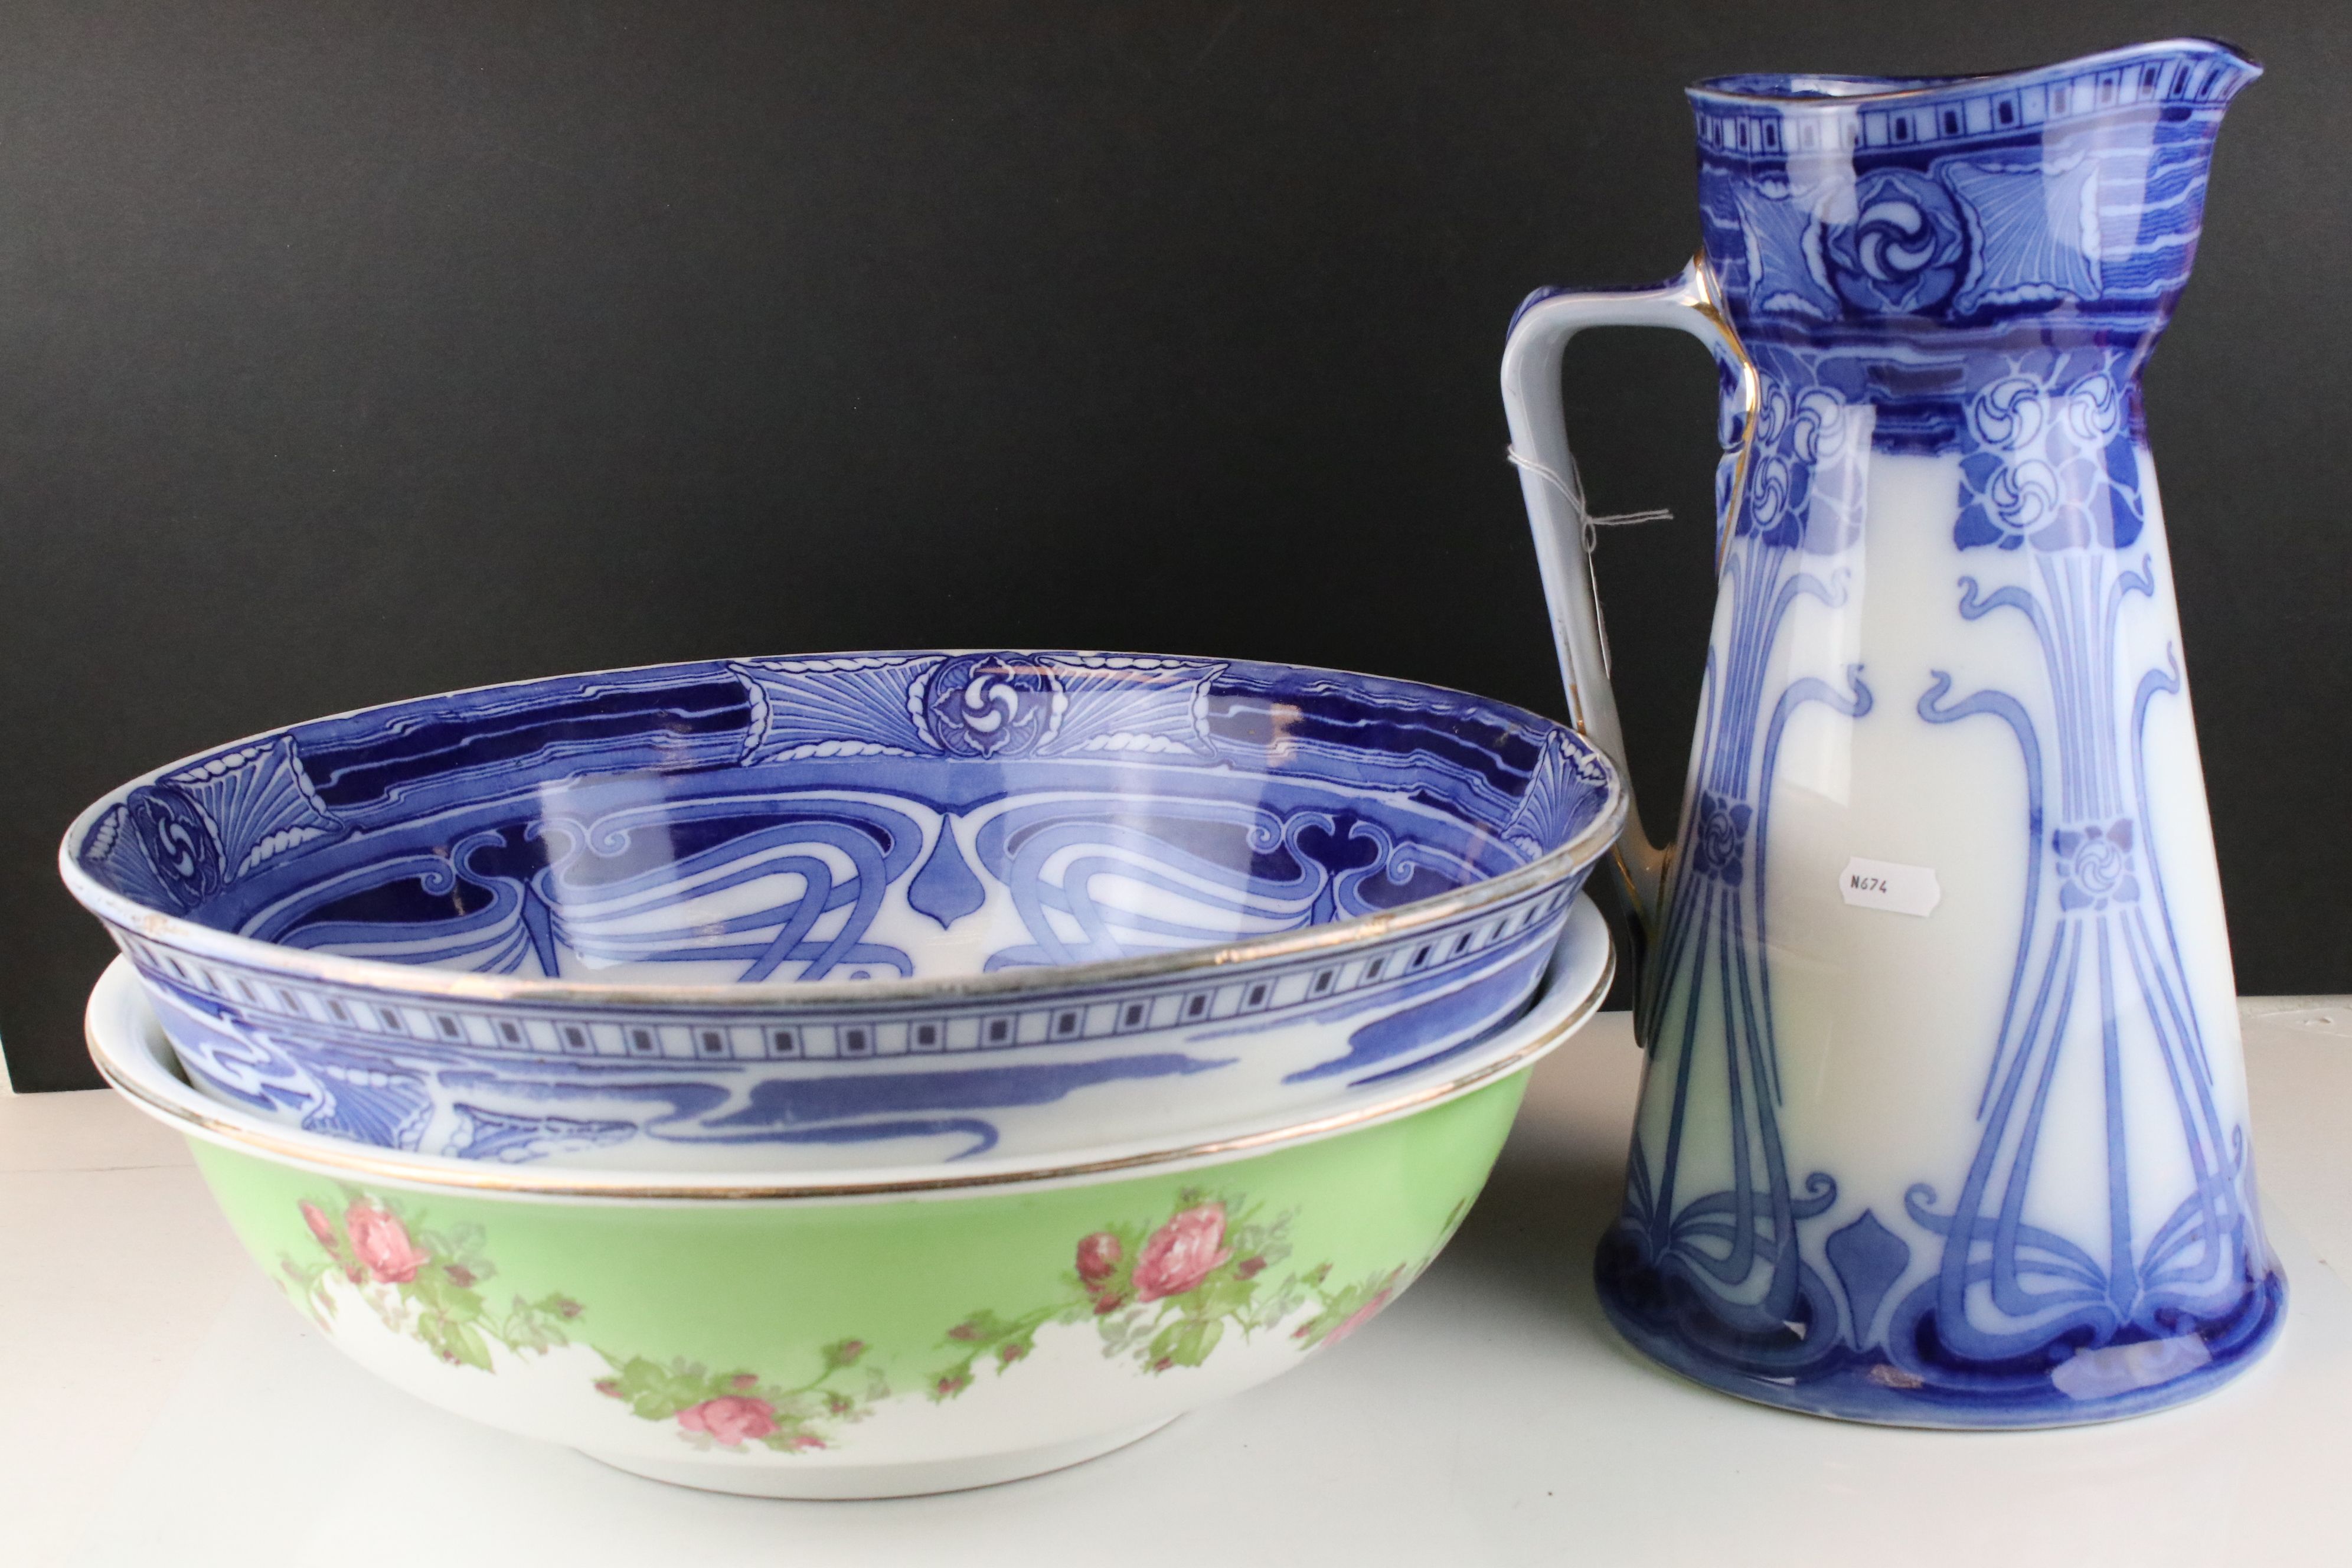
872	817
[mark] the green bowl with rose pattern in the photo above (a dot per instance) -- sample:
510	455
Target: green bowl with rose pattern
846	1343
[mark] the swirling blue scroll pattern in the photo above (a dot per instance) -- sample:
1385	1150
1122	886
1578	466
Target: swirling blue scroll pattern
865	818
1113	819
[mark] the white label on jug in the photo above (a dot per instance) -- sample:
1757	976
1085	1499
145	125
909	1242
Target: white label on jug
1884	885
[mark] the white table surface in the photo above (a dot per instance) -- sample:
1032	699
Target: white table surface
160	1405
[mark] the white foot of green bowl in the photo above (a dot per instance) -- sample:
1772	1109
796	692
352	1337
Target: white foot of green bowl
845	1482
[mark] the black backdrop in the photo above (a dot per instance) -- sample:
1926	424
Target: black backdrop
353	352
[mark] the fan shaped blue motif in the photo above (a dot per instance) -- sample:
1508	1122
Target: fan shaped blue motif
182	838
2036	228
833	707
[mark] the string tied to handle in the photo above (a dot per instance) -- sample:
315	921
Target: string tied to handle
1571	487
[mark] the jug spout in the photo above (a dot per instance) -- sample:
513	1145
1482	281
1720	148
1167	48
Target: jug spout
2062	202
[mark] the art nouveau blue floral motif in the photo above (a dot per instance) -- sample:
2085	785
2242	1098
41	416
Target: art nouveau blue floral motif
811	875
1903	248
987	705
978	705
1714	1219
1969	271
1557	796
2095	865
2050	462
182	838
1805	471
862	818
2016	1308
1719	843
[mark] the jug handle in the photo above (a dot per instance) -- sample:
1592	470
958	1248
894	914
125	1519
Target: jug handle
1531	398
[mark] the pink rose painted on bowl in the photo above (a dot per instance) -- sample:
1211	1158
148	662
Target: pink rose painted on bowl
383	1245
1099	1257
732	1419
320	1225
1180	1253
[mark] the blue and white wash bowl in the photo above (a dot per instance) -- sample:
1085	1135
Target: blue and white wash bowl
867	910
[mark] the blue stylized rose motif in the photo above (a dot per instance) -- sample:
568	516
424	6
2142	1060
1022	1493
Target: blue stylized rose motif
1903	249
1719	841
1804	485
2095	866
992	705
2051	467
178	842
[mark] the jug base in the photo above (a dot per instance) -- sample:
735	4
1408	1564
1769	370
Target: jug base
2083	1387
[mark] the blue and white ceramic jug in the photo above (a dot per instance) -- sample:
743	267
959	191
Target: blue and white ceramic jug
1944	1121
